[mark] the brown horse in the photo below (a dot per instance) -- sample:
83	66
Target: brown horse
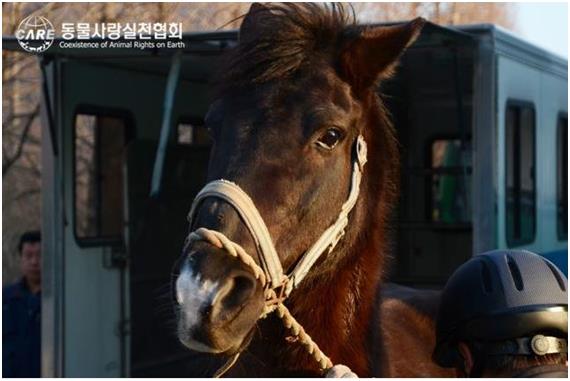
296	92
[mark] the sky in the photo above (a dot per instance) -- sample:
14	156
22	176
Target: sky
544	24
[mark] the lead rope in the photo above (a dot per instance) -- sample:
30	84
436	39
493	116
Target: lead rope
273	303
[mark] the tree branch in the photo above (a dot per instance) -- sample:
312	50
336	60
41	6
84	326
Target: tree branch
9	161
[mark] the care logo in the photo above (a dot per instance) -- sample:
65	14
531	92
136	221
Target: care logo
35	34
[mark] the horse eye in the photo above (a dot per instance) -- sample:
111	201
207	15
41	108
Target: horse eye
330	138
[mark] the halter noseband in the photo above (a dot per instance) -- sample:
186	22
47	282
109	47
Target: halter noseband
277	285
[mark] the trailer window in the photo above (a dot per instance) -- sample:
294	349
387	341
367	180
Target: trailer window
520	179
562	177
99	146
450	181
191	131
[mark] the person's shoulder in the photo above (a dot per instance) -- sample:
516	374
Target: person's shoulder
11	291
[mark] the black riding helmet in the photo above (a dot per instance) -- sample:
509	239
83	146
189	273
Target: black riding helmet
500	295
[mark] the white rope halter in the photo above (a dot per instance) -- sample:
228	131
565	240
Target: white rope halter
277	285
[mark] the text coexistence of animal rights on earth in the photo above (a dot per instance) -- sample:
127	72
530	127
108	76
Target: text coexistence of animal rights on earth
122	44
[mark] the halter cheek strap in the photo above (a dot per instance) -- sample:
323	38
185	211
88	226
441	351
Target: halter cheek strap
329	239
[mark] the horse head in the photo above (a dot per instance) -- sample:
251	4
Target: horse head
294	97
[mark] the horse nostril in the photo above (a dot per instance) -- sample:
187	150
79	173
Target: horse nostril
241	289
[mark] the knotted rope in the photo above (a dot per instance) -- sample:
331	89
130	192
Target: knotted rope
273	301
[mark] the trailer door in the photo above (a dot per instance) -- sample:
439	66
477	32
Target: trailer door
97	117
531	102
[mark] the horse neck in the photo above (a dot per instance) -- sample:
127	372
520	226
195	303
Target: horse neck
335	309
337	312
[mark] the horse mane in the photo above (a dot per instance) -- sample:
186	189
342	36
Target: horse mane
277	39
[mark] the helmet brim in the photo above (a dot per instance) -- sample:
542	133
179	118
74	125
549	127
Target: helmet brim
551	320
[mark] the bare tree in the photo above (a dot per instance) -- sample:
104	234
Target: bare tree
440	13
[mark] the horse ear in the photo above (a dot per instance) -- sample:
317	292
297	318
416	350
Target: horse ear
373	54
253	20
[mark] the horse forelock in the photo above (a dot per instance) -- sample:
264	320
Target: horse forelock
282	38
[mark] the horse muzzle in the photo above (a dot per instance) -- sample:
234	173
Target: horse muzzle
219	300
